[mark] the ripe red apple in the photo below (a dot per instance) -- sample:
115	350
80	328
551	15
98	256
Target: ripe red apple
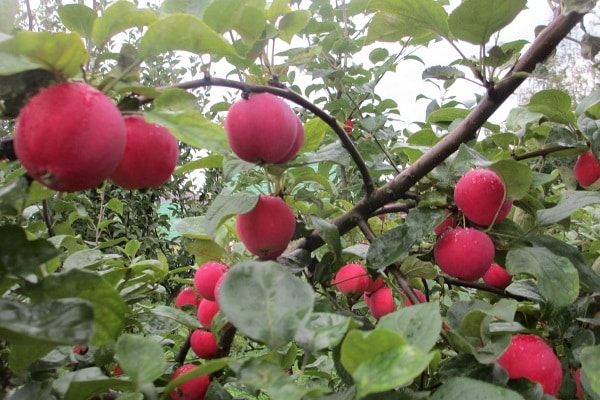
497	277
464	253
70	137
450	222
351	279
81	350
587	169
480	195
150	156
203	343
206	277
261	128
267	229
529	356
117	370
298	142
188	295
380	302
375	284
420	296
206	312
193	389
348	125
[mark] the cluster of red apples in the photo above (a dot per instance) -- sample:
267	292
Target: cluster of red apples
204	296
72	137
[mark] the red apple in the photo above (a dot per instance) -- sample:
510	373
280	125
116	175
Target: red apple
348	125
203	343
193	389
117	370
464	253
206	277
70	137
380	302
206	312
298	142
578	387
497	277
480	195
188	295
587	169
529	356
150	157
449	223
267	229
81	350
420	296
351	279
261	128
375	284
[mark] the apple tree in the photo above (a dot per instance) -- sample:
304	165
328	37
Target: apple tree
338	248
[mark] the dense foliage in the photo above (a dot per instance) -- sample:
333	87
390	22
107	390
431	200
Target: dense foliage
89	279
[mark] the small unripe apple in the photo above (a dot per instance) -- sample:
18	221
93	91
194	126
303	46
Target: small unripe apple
497	277
206	312
188	295
464	253
587	169
206	277
351	279
203	343
193	389
420	295
529	356
480	195
150	156
380	302
70	137
267	229
261	128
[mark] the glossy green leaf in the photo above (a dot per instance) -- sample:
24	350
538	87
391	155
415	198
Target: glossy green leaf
417	16
554	104
183	32
460	388
516	176
210	161
419	324
21	257
109	308
569	203
556	277
381	360
323	331
224	206
475	21
314	132
119	17
590	365
265	302
251	24
87	383
63	321
292	23
141	358
178	111
78	18
61	53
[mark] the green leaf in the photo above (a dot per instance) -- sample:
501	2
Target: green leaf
10	9
251	24
292	23
177	110
475	21
192	227
193	7
590	365
177	315
447	115
12	197
109	308
419	324
183	32
210	161
381	360
78	18
141	358
63	321
21	257
556	277
516	176
590	102
61	53
323	331
460	388
554	104
329	233
265	302
416	16
588	278
442	72
570	202
314	132
119	17
87	383
223	15
224	206
22	355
